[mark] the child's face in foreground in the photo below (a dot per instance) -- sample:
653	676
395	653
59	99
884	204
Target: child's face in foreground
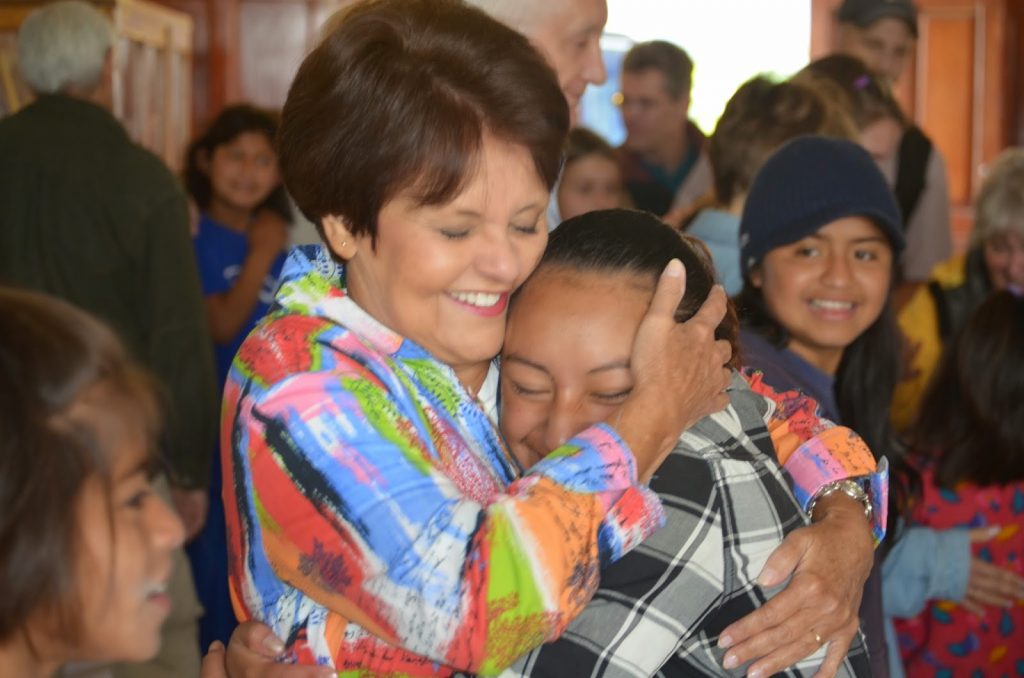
828	288
565	361
591	182
124	557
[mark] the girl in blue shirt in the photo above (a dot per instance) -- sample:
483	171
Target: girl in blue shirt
232	176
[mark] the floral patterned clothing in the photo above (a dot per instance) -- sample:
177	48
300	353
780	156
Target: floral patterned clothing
945	640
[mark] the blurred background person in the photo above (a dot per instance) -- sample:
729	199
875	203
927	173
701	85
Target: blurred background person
591	178
883	34
968	442
759	118
994	261
90	217
87	541
232	176
663	158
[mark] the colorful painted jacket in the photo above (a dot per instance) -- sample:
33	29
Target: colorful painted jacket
815	452
368	496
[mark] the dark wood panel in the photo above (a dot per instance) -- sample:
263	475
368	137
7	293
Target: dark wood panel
946	104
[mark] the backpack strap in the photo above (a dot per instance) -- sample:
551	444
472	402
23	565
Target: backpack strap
914	153
941	309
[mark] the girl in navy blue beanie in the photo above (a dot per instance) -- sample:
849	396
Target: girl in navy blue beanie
819	241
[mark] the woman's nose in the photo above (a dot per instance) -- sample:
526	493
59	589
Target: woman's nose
498	259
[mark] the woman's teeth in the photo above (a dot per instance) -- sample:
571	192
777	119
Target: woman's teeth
479	299
829	305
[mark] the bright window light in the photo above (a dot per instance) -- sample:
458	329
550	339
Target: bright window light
729	41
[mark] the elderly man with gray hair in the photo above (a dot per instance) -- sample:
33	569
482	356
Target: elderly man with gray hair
89	216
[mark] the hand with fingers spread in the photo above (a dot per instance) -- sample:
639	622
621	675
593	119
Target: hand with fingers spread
989	585
829	562
680	372
251	653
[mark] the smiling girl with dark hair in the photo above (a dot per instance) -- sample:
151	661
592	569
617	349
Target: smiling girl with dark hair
87	543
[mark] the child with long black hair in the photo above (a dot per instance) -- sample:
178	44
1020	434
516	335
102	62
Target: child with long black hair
85	540
969	444
819	238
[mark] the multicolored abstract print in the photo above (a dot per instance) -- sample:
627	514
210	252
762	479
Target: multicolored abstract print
946	640
816	452
368	496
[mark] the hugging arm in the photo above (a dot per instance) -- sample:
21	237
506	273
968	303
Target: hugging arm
829	561
354	512
656	598
663	605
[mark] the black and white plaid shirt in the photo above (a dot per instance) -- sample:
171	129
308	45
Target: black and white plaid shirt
660	609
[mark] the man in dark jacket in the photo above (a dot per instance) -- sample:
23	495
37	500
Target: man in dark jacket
89	216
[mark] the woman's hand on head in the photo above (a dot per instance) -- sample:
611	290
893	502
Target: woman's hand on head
679	370
251	653
829	562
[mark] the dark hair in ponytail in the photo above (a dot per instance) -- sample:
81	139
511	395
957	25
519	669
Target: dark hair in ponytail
631	241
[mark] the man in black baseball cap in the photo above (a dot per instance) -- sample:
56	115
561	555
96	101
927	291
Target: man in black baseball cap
879	32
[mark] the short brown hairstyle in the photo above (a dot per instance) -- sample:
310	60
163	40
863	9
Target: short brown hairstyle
399	95
848	80
759	118
670	60
54	357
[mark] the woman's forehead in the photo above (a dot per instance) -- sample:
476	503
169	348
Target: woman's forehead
572	294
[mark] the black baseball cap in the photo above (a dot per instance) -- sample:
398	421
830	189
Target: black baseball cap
863	13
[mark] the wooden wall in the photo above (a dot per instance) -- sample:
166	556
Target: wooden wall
249	50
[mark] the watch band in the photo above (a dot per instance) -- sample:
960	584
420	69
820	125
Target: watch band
851	488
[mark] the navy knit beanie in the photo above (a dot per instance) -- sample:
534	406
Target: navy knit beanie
809	183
